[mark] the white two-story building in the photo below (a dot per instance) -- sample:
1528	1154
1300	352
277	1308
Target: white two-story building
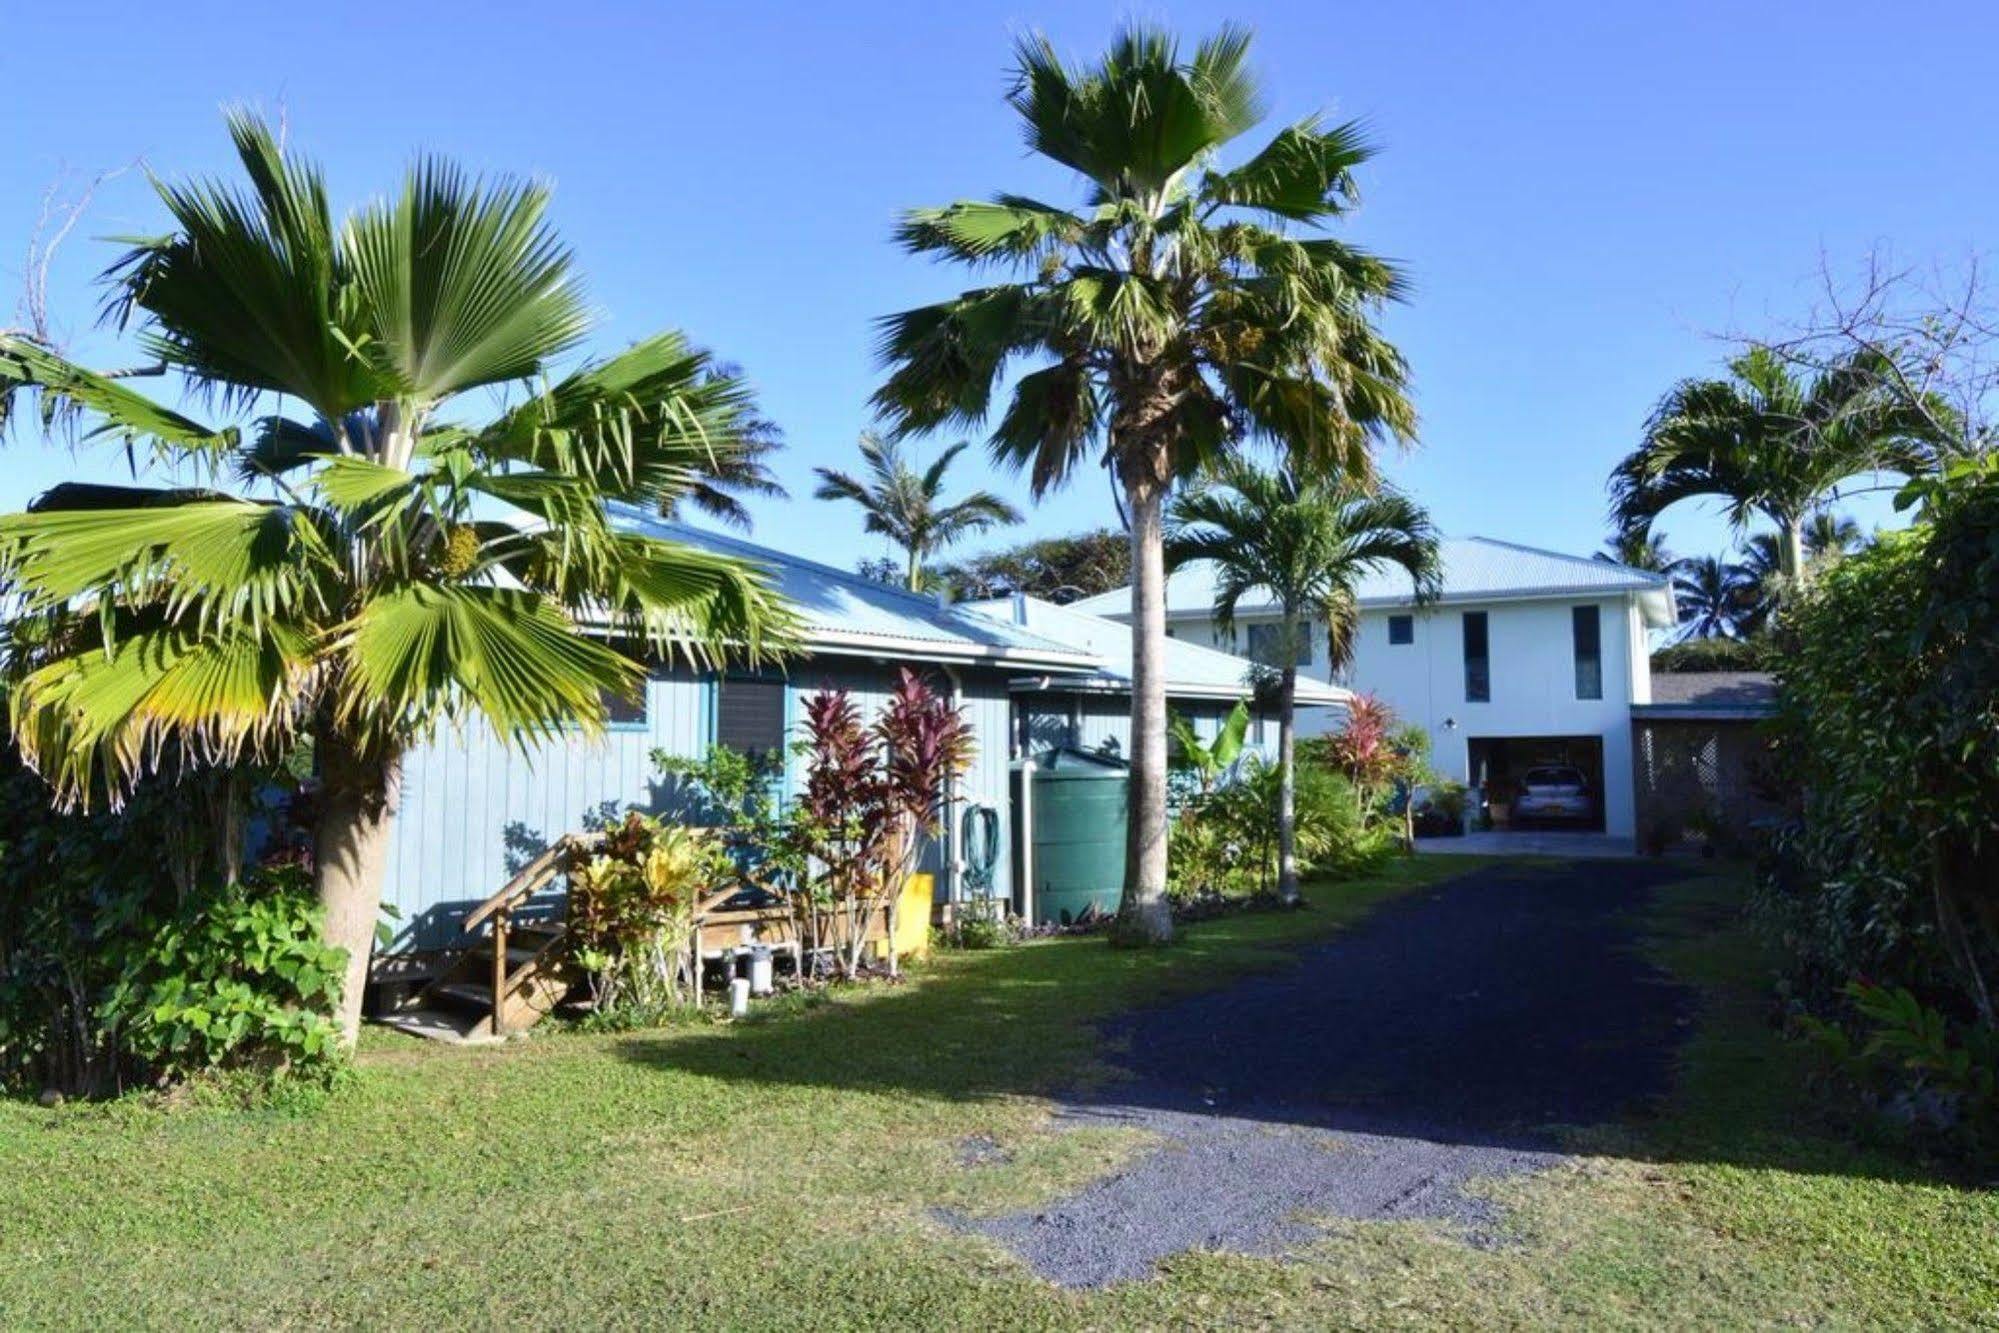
1527	658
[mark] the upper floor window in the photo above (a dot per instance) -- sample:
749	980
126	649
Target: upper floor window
1266	644
1402	629
1586	629
749	714
1478	659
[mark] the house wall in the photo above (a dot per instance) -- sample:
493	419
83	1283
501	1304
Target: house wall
474	810
1096	721
1533	681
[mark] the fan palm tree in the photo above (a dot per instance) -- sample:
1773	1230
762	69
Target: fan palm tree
907	506
379	566
1305	543
1771	441
1172	314
1717	599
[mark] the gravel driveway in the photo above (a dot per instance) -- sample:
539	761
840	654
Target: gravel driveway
1445	1038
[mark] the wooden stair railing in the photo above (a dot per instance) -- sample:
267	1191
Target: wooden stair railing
519	970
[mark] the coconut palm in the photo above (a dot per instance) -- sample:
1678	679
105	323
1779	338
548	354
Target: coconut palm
718	486
1305	544
361	563
1770	441
1172	314
1639	550
907	506
1717	599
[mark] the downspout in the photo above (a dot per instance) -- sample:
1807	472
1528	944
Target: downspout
953	861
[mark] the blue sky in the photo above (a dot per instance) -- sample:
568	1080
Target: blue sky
1586	194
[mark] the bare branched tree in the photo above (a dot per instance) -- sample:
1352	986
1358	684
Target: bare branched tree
1931	330
62	208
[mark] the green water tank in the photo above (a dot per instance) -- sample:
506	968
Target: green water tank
1079	824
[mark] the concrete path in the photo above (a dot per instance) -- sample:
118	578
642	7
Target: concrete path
1533	842
1443	1040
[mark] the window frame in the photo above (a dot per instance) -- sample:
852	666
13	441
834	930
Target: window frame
1478	666
1590	614
1406	621
722	682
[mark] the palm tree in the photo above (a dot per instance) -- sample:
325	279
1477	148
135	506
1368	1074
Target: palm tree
1717	599
1639	550
718	485
379	566
1827	536
1770	441
1306	543
906	506
1170	316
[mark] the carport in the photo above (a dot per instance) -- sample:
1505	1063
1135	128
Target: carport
1498	763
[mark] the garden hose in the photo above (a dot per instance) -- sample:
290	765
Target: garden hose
978	838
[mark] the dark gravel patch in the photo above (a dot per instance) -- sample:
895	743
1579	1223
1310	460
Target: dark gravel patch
1445	1039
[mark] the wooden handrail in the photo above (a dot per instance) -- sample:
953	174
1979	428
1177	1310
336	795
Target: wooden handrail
535	874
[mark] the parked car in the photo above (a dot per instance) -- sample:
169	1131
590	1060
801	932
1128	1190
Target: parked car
1555	792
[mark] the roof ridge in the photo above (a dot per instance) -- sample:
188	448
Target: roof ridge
846	576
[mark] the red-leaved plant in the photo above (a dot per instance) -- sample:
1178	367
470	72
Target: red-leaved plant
871	794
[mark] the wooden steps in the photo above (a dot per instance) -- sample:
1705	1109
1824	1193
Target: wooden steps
508	977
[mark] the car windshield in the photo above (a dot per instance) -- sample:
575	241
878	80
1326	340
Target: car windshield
1554	777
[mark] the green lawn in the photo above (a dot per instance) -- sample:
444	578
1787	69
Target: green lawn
781	1173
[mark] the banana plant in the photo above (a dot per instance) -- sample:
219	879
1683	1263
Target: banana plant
1211	761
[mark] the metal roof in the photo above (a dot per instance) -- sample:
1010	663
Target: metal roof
1475	569
846	614
1192	670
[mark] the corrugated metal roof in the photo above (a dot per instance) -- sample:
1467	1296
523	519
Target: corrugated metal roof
1192	670
843	612
1475	568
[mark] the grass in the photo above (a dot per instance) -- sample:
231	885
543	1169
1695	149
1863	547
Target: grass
782	1172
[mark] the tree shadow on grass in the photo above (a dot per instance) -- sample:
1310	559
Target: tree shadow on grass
1501	1010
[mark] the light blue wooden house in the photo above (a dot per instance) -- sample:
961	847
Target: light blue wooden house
475	809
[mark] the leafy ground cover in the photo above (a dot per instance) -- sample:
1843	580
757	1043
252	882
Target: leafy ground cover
786	1172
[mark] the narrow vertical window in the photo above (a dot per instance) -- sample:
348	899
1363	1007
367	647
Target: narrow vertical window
1587	631
1478	661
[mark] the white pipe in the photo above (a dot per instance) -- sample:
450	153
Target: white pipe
953	869
1027	840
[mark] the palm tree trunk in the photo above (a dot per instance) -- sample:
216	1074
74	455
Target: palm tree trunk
357	816
1143	915
915	571
1791	554
1287	771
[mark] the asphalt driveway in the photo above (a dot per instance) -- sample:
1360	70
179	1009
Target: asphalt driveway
1449	1037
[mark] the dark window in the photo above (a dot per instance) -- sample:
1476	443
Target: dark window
1402	629
1478	660
1266	645
749	715
1587	626
626	712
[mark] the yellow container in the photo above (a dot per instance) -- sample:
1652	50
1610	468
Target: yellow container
912	916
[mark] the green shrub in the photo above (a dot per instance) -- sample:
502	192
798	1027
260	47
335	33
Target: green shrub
1714	655
130	953
1888	733
238	975
1224	844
